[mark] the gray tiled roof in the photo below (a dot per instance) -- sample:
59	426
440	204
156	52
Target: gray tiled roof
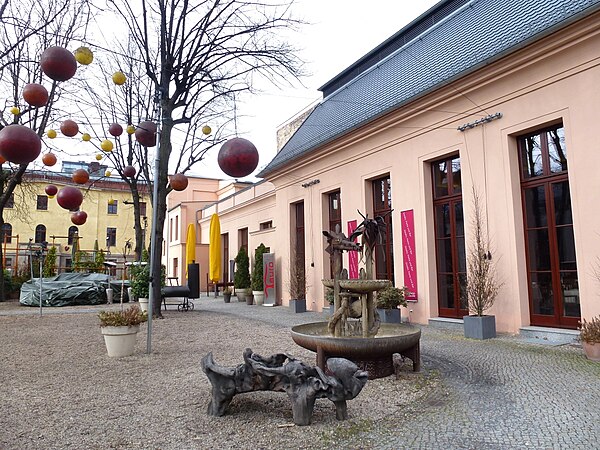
479	32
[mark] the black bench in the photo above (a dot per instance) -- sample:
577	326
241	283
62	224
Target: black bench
177	292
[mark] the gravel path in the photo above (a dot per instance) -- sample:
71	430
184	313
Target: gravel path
59	389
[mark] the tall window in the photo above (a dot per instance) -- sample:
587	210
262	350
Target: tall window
335	218
176	227
225	258
297	271
142	209
449	237
40	234
176	267
382	206
171	229
243	238
10	203
111	237
6	233
71	234
112	206
548	222
42	202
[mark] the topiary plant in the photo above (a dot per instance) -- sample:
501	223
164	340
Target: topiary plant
257	273
391	298
241	277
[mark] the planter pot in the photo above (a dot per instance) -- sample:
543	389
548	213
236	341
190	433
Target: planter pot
389	315
249	299
120	341
109	296
227	298
129	294
259	297
298	305
143	303
480	327
592	350
241	296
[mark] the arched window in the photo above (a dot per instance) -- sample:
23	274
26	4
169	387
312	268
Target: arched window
40	234
72	231
6	233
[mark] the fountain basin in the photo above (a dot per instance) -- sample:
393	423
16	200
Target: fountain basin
373	354
364	286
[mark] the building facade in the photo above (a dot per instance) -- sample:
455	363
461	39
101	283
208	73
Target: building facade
473	98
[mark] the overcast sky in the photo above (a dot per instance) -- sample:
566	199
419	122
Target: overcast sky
340	32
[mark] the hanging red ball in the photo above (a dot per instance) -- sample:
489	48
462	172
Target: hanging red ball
19	144
69	198
238	157
129	171
35	94
80	176
58	63
51	190
115	130
49	159
69	128
145	133
178	182
79	217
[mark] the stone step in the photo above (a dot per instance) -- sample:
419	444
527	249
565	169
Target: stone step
547	335
446	323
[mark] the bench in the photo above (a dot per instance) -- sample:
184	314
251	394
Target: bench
210	286
177	292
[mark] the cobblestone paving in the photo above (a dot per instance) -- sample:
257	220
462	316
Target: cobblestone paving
503	393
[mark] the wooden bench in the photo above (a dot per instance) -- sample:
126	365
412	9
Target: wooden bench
214	287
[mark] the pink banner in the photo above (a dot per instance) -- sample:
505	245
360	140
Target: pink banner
352	256
408	254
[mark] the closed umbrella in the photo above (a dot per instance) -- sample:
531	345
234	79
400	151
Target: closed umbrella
214	249
190	246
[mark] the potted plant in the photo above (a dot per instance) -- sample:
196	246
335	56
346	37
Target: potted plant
140	283
241	276
388	301
120	328
258	285
248	296
482	285
297	284
227	294
589	335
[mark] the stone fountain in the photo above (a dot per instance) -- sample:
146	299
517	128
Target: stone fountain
355	331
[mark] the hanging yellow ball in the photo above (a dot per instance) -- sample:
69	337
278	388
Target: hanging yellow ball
130	129
86	137
51	134
119	78
111	201
206	130
83	56
98	157
15	111
106	145
107	173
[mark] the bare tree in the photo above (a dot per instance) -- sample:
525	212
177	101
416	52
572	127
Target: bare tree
199	55
29	27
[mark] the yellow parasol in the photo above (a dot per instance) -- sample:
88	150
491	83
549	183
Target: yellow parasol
214	249
190	246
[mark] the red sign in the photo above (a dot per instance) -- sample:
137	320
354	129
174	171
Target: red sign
352	255
269	277
408	254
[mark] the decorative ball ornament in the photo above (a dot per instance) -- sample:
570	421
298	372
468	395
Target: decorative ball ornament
206	130
80	176
69	198
238	157
35	94
178	182
86	137
130	129
111	201
79	217
51	134
84	56
119	78
2	160
19	144
51	190
145	134
115	130
99	157
69	128
58	63
49	159
107	173
106	145
129	171
15	111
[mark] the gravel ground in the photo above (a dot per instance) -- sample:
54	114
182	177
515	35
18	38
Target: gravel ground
59	389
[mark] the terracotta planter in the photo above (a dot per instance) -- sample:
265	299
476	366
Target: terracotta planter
120	341
592	350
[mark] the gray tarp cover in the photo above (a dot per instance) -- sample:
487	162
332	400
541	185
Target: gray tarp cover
68	289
